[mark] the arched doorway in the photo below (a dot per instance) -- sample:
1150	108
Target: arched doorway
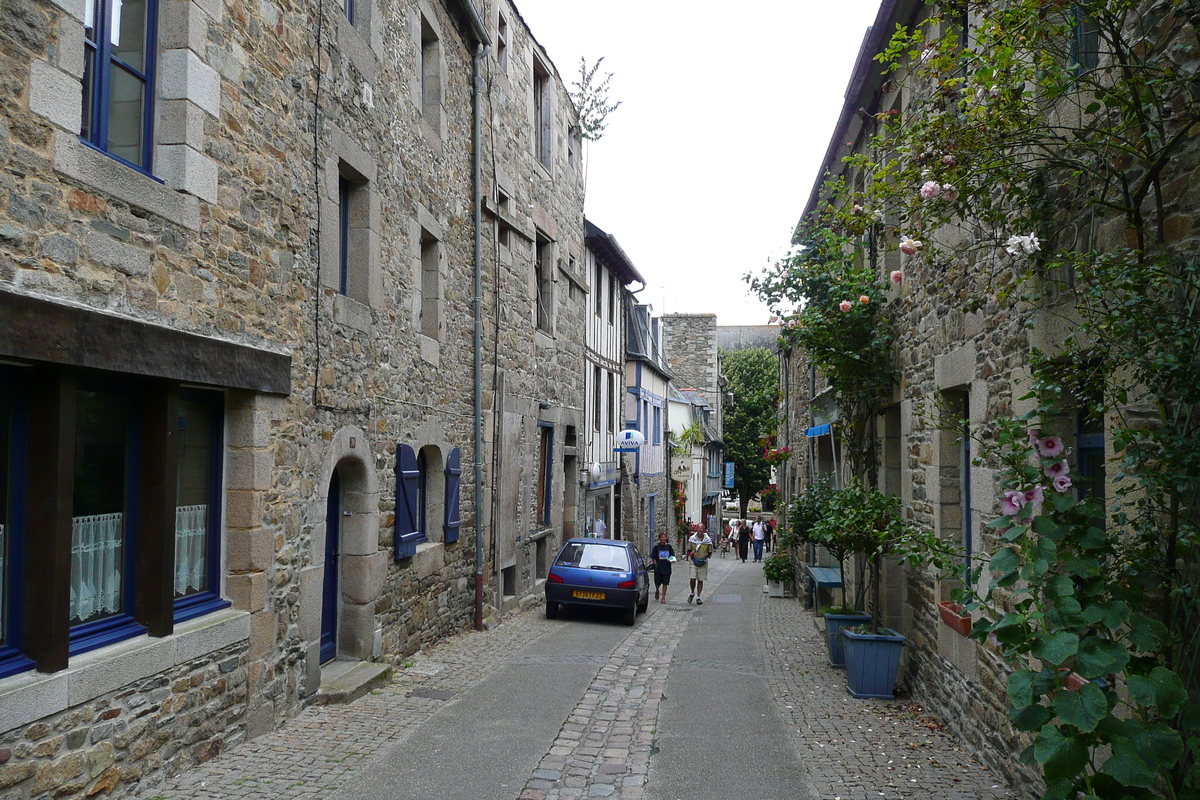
331	590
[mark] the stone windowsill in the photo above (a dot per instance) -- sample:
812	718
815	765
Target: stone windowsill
32	696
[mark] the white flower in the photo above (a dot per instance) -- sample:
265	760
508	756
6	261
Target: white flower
1022	244
909	246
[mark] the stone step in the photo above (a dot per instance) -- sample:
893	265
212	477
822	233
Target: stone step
346	681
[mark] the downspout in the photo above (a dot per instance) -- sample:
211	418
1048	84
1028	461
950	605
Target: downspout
477	344
482	48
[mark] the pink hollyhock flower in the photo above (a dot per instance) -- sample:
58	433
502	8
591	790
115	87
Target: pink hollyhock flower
862	298
1034	437
845	306
909	246
949	160
1050	447
1058	468
1011	502
1062	483
1035	497
897	276
949	192
930	190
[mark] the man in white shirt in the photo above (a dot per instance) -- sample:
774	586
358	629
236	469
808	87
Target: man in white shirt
699	551
757	535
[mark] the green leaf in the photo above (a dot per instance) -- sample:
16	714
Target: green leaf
1127	766
1162	688
1062	757
1084	709
1055	648
1146	634
1093	539
1030	718
1099	656
1005	560
1112	614
1060	586
1048	527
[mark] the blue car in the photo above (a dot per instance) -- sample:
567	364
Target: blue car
598	572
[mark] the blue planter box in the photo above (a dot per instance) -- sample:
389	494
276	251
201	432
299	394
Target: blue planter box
833	634
872	661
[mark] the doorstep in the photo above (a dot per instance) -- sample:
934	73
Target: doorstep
346	681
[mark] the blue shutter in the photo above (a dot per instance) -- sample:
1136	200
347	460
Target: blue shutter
408	478
453	486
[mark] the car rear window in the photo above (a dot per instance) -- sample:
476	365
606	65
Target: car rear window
586	555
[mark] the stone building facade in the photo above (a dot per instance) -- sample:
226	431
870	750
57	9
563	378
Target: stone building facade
956	363
237	266
646	490
690	345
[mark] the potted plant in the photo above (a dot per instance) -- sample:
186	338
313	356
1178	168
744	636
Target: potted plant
841	532
873	653
953	615
779	571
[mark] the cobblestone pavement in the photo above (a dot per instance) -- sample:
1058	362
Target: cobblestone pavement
853	749
859	749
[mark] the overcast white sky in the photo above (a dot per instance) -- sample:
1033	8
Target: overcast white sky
726	113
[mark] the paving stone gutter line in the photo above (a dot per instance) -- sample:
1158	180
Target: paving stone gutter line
852	749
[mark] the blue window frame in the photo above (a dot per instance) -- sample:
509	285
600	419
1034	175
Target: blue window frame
13	447
120	52
453	515
199	425
408	482
343	235
657	425
349	5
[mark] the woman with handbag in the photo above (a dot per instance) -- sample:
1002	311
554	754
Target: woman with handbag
700	548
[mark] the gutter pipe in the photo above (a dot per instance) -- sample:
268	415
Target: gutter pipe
483	46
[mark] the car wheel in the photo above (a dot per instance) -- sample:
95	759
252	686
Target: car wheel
631	615
643	603
551	609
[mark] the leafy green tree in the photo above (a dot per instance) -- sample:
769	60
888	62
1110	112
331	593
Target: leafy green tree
753	377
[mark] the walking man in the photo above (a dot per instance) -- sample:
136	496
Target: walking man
758	534
699	550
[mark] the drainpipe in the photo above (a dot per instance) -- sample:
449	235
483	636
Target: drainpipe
483	46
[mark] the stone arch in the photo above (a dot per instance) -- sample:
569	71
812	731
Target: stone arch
362	565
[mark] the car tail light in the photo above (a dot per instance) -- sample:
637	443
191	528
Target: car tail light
553	578
627	585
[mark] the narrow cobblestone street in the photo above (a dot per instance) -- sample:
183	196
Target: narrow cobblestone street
606	746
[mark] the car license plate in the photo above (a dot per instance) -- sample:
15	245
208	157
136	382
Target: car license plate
585	595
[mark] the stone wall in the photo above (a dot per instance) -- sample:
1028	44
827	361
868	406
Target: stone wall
690	344
240	243
747	337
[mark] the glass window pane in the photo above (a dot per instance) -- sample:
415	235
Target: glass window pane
128	32
126	110
98	510
89	20
197	423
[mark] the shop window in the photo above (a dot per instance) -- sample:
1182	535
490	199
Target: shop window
13	428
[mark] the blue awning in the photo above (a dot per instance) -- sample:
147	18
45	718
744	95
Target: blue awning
818	430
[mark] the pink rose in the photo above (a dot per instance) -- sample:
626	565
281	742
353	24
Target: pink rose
909	246
949	192
1058	468
930	190
949	160
1011	502
1062	483
1050	447
845	306
862	298
897	276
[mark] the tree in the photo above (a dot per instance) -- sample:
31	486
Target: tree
753	377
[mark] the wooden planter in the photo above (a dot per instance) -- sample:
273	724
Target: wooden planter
833	634
952	615
872	661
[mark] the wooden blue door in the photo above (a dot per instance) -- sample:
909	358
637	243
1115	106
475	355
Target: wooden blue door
329	598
